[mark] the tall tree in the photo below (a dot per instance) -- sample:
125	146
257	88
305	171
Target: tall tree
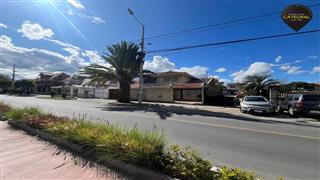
256	85
5	82
24	84
305	86
125	59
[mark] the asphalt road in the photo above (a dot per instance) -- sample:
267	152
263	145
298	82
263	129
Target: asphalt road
269	148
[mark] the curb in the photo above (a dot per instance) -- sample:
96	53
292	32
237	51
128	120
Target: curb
134	172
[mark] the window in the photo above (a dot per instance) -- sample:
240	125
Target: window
175	79
166	79
255	98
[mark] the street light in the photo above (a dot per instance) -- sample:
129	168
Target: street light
142	62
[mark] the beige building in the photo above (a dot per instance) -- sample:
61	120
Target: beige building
172	86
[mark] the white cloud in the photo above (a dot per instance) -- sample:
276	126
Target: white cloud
34	31
291	69
31	61
278	59
316	69
225	81
197	71
70	12
94	19
77	4
297	61
3	26
257	68
97	19
222	69
94	56
63	44
72	51
159	64
313	57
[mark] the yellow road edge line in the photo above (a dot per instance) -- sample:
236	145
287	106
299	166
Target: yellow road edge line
227	126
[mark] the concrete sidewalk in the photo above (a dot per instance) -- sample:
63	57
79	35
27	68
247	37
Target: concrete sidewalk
26	157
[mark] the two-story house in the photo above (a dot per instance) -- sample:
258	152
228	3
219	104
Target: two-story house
171	86
46	80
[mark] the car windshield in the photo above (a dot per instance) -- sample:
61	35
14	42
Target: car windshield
255	98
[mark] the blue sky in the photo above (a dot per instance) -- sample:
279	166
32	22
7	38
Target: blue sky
66	35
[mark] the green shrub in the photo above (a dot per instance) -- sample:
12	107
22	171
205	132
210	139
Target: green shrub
109	141
186	164
142	148
22	113
235	174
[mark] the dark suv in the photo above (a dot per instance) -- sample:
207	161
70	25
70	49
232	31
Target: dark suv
299	103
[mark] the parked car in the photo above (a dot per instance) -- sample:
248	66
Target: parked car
256	104
297	104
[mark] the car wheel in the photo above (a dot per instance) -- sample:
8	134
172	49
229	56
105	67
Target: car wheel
292	113
241	110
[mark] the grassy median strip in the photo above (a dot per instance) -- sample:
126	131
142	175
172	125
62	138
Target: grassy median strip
130	145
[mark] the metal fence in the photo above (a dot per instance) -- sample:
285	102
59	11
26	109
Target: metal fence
282	95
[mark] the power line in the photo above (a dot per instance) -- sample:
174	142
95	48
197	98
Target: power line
231	42
208	27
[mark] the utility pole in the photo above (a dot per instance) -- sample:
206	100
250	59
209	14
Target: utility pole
141	68
142	62
12	80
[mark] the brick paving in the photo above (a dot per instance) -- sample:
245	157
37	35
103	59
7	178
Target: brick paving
26	157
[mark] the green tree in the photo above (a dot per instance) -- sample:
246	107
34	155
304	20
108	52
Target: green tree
257	85
24	85
296	86
5	82
125	59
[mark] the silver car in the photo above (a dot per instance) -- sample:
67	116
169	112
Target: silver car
256	104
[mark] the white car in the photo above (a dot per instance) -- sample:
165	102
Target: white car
256	104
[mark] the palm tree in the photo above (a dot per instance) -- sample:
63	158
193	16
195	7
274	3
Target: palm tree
125	59
256	85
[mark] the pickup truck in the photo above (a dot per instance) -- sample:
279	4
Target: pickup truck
297	104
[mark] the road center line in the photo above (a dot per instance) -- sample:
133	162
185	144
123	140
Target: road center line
225	126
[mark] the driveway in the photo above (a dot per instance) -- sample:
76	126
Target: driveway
271	148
